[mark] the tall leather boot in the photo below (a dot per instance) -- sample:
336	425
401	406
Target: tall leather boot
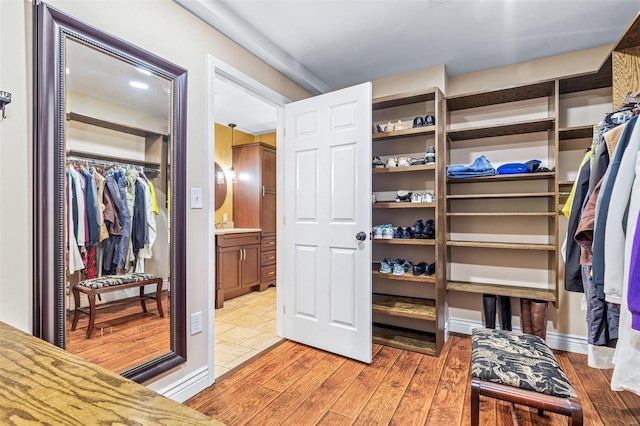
539	310
525	316
505	313
489	307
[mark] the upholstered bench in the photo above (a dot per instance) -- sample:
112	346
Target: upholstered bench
519	368
109	283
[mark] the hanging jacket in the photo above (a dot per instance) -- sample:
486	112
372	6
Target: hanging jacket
572	270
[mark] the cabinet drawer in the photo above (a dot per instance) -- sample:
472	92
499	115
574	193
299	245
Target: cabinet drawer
268	273
268	257
230	240
268	243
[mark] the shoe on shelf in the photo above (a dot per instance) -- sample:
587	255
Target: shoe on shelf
416	197
428	197
404	161
377	232
392	162
403	196
397	233
407	266
418	161
418	122
400	126
418	228
407	233
377	163
385	266
429	120
431	269
387	232
429	231
419	269
388	127
398	269
430	156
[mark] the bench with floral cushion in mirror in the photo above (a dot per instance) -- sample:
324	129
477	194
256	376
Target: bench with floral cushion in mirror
519	368
109	283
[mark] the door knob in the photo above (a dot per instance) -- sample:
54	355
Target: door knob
361	236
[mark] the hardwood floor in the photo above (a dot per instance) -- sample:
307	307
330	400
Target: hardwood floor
297	385
124	336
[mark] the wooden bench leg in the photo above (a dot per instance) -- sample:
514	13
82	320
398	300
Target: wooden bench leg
159	297
576	412
143	302
92	313
76	312
475	402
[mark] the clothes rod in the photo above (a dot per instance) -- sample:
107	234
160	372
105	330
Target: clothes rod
111	161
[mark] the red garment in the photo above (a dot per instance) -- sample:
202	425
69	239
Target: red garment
91	263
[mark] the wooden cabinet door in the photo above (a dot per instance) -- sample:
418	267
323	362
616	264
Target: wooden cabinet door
229	268
269	169
251	265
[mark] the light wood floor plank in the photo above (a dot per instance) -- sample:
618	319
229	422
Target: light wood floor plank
588	410
354	399
381	406
285	378
335	419
245	408
630	399
403	370
311	411
448	400
416	401
290	399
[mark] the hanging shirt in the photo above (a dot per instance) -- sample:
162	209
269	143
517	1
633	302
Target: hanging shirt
74	258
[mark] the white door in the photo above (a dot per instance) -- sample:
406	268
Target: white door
327	201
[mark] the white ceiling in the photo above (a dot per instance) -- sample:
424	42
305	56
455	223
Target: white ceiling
330	44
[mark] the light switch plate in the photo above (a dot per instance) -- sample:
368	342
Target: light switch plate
196	198
196	323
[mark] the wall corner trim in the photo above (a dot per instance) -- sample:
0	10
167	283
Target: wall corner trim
188	386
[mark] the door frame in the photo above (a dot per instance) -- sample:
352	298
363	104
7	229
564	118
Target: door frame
219	69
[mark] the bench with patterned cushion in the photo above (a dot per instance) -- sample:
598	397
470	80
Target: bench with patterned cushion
108	283
519	368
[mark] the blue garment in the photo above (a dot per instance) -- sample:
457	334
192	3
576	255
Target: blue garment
599	231
480	167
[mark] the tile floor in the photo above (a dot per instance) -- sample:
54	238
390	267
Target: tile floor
244	327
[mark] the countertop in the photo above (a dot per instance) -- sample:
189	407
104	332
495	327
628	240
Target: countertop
43	384
236	230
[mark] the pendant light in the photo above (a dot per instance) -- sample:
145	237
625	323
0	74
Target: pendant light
232	172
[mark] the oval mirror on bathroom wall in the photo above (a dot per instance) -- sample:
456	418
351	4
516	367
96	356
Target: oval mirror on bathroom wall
221	186
109	148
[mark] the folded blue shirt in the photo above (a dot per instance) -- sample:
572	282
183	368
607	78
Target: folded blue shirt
480	167
514	168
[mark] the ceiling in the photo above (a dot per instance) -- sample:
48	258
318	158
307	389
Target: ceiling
330	44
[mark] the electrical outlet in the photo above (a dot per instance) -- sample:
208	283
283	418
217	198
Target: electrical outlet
196	323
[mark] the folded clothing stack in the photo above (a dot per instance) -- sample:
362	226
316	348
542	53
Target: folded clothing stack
514	168
480	167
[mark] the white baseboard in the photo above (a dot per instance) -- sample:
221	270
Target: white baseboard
562	342
189	386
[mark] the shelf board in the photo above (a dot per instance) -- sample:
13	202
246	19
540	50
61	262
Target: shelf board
518	176
401	169
405	241
118	127
394	205
403	99
506	214
517	128
508	246
406	307
425	130
500	96
577	132
502	290
403	338
507	195
406	277
597	80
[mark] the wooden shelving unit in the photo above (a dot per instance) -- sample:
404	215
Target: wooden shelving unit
576	132
391	300
405	241
384	205
466	202
502	290
406	307
407	339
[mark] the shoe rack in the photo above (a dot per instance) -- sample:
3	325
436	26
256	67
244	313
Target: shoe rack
408	310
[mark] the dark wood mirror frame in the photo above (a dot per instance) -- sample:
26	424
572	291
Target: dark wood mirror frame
50	29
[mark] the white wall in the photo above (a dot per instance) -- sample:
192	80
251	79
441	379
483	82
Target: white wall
161	27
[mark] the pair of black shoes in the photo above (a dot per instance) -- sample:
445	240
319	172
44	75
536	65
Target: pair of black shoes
406	233
424	268
425	230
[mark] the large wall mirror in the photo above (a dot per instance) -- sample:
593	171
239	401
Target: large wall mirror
109	199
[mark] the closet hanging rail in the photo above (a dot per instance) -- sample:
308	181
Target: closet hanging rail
104	160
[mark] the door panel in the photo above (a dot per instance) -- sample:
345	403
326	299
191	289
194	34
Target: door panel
327	201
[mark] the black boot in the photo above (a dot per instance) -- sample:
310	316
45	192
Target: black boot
505	313
489	307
